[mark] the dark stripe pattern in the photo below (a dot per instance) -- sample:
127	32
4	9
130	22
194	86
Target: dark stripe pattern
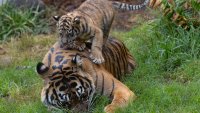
129	7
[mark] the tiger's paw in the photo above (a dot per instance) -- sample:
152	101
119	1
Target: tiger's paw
109	108
97	57
81	47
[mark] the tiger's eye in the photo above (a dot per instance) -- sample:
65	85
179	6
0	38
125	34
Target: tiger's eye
74	84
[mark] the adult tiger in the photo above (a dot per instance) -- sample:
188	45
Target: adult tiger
91	21
71	78
169	11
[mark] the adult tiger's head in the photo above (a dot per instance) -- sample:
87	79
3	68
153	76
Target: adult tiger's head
65	86
68	27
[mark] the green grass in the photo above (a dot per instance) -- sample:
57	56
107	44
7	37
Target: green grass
20	90
167	78
165	92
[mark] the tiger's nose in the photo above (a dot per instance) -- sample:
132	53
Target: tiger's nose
71	35
70	31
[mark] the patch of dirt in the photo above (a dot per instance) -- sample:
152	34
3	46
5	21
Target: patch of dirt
181	78
5	60
19	49
2	51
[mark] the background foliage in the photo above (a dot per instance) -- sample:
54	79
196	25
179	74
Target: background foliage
15	22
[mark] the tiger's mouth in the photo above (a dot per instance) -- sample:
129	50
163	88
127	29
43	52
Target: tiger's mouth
68	39
83	107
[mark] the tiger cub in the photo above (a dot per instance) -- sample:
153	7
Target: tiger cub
90	22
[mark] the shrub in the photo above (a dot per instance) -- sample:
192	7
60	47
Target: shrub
175	45
167	45
15	22
184	12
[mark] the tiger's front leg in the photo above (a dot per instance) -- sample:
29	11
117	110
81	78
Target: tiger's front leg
121	97
96	50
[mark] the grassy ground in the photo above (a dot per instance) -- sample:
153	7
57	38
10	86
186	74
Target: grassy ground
167	78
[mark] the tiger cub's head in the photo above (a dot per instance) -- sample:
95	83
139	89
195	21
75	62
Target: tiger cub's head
68	27
65	87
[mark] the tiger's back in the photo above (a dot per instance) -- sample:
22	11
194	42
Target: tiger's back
99	12
118	60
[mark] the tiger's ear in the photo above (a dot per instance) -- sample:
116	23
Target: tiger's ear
41	69
56	18
77	20
77	60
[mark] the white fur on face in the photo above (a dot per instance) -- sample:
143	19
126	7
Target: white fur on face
63	40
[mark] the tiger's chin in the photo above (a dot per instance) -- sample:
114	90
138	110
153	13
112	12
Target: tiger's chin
65	41
83	107
75	45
